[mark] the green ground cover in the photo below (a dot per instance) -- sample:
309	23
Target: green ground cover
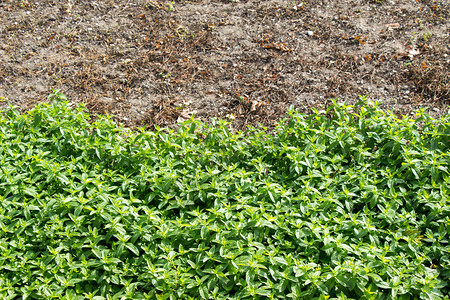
348	203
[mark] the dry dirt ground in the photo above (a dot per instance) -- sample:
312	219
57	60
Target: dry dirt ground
158	62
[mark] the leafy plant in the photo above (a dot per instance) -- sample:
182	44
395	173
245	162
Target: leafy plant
351	202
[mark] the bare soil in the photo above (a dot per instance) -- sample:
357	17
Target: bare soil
158	62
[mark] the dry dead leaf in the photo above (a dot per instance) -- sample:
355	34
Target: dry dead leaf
392	26
413	52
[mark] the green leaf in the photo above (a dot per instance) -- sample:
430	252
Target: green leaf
37	119
280	260
262	292
383	285
192	128
30	191
133	248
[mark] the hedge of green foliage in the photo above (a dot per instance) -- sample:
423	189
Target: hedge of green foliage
347	203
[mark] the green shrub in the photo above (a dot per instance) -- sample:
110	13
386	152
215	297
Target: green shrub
348	203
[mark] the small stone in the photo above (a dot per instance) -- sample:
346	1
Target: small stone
309	33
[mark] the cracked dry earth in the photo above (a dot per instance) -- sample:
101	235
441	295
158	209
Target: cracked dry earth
158	62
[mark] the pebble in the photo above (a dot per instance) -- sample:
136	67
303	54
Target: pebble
309	32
